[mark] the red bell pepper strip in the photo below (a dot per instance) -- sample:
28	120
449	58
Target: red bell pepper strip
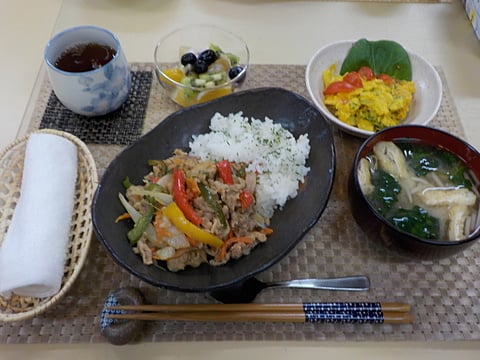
180	197
246	199
225	171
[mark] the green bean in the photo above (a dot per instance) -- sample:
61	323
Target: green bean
213	201
140	227
155	187
126	182
162	167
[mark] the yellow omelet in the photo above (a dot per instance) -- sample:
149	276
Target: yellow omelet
374	106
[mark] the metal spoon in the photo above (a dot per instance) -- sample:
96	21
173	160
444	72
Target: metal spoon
246	291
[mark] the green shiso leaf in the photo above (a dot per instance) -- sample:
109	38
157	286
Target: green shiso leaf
382	56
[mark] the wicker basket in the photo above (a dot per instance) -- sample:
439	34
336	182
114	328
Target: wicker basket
11	169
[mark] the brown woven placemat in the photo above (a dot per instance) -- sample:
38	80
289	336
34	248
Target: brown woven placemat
444	294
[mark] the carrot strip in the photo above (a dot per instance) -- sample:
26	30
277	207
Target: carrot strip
193	190
124	216
180	252
229	242
266	231
192	242
159	229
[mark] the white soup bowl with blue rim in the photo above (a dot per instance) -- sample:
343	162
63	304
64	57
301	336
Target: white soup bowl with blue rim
95	92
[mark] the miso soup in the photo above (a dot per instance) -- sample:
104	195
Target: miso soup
421	189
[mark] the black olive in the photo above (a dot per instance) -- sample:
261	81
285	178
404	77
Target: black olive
209	56
234	72
188	58
200	67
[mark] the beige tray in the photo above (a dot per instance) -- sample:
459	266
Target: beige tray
445	294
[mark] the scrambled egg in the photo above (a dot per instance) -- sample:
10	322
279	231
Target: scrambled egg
374	106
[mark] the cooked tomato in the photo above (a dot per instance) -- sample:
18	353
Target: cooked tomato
354	79
366	73
338	87
387	79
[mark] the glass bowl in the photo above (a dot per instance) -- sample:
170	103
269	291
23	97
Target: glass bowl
188	84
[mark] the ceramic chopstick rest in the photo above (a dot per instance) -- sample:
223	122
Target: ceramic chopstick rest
33	251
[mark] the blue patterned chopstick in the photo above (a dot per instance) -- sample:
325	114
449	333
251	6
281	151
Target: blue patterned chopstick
343	313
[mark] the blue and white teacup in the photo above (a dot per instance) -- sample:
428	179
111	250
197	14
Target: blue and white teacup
94	92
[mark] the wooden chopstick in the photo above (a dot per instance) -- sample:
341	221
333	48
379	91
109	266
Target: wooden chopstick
387	317
386	306
397	313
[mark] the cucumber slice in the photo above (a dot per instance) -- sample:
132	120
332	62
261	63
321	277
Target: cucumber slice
217	77
187	80
199	82
204	76
210	84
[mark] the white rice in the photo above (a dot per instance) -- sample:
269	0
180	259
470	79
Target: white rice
272	151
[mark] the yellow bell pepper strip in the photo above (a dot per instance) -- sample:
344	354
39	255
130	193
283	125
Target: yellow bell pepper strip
176	216
180	197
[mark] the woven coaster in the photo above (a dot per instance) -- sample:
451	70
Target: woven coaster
122	126
444	294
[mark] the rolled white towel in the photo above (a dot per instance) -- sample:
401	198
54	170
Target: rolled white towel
33	251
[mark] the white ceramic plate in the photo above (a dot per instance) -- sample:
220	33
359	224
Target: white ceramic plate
428	85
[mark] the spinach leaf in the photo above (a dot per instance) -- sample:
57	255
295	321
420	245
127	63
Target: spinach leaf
386	191
416	221
422	159
382	56
447	166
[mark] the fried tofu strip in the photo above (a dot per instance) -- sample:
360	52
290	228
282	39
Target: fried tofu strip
391	159
446	197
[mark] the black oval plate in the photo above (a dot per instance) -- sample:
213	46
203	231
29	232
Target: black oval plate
290	224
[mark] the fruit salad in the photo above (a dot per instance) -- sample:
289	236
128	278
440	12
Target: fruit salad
205	75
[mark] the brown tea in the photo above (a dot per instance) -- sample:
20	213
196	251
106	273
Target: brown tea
84	57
